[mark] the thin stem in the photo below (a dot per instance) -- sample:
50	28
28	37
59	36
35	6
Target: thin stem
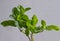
32	39
29	38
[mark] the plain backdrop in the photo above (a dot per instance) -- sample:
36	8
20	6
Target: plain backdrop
49	10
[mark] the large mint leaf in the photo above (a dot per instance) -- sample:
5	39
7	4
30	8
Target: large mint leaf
15	11
52	27
34	20
8	23
21	9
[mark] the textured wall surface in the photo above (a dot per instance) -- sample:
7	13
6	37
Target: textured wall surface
48	10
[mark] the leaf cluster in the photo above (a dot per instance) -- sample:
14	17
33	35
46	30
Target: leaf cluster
21	20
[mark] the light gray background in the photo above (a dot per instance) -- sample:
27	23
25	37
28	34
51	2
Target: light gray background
48	10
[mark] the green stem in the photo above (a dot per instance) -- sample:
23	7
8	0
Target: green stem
29	38
32	39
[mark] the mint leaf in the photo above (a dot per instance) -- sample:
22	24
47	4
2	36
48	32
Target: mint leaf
18	17
43	23
22	23
25	18
8	23
27	9
28	23
38	29
34	20
52	27
22	10
15	11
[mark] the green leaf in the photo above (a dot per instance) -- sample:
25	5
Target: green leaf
28	23
43	23
34	20
31	27
15	11
8	23
25	17
27	9
22	23
33	23
38	29
27	31
52	27
22	17
18	17
22	10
